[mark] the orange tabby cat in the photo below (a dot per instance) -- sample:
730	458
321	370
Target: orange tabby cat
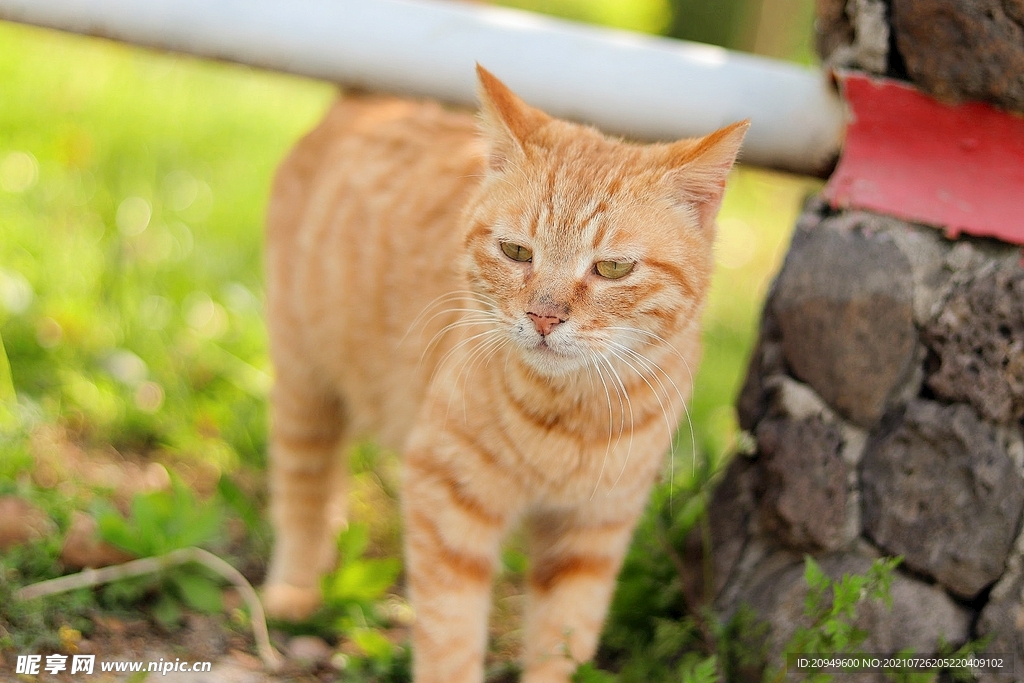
518	313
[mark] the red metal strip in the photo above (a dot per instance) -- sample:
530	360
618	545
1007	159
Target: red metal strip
956	167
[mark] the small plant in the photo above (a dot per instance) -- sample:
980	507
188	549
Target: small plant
161	521
352	596
25	626
352	590
831	610
158	523
588	673
677	644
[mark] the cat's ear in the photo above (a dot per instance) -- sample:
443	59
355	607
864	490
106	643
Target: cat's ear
506	120
699	168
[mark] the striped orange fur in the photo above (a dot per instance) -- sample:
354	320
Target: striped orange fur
515	307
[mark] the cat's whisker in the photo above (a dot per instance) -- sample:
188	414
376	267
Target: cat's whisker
482	356
439	336
651	336
461	294
469	317
611	418
465	321
455	349
624	394
657	372
482	351
490	338
593	359
616	349
689	423
446	298
685	403
620	390
652	366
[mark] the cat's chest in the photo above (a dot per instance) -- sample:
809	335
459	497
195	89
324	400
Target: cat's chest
558	452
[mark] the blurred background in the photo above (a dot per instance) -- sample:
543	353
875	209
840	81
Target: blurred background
132	191
773	28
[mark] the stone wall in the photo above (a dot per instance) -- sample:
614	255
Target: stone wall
957	50
886	391
886	400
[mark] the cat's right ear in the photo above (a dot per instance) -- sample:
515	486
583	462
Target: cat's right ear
506	121
700	167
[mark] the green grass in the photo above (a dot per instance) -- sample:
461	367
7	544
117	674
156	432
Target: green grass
132	190
132	193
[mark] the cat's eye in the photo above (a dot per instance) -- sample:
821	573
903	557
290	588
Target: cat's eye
516	252
613	270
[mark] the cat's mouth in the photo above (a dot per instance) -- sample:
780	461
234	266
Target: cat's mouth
551	354
544	347
548	350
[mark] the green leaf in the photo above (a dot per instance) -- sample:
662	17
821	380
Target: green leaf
148	521
514	561
240	503
167	612
198	591
203	525
363	580
700	670
8	398
352	542
161	521
372	643
813	575
588	673
114	529
127	591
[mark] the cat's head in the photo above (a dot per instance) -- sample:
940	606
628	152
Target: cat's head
586	246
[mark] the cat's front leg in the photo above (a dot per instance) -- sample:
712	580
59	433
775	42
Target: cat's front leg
452	534
575	559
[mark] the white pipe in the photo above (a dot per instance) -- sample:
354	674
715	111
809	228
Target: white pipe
625	83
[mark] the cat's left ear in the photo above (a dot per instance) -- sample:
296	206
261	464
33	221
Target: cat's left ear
506	120
699	168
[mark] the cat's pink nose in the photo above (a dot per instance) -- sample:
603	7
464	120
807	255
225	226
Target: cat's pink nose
544	323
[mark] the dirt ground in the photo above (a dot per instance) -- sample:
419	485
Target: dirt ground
224	640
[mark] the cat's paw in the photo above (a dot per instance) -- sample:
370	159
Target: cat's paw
290	603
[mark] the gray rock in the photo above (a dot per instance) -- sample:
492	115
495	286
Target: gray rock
729	512
853	34
964	49
843	304
1002	620
804	482
309	650
833	31
927	252
767	363
978	345
939	489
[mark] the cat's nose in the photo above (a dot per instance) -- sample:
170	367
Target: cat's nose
544	323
